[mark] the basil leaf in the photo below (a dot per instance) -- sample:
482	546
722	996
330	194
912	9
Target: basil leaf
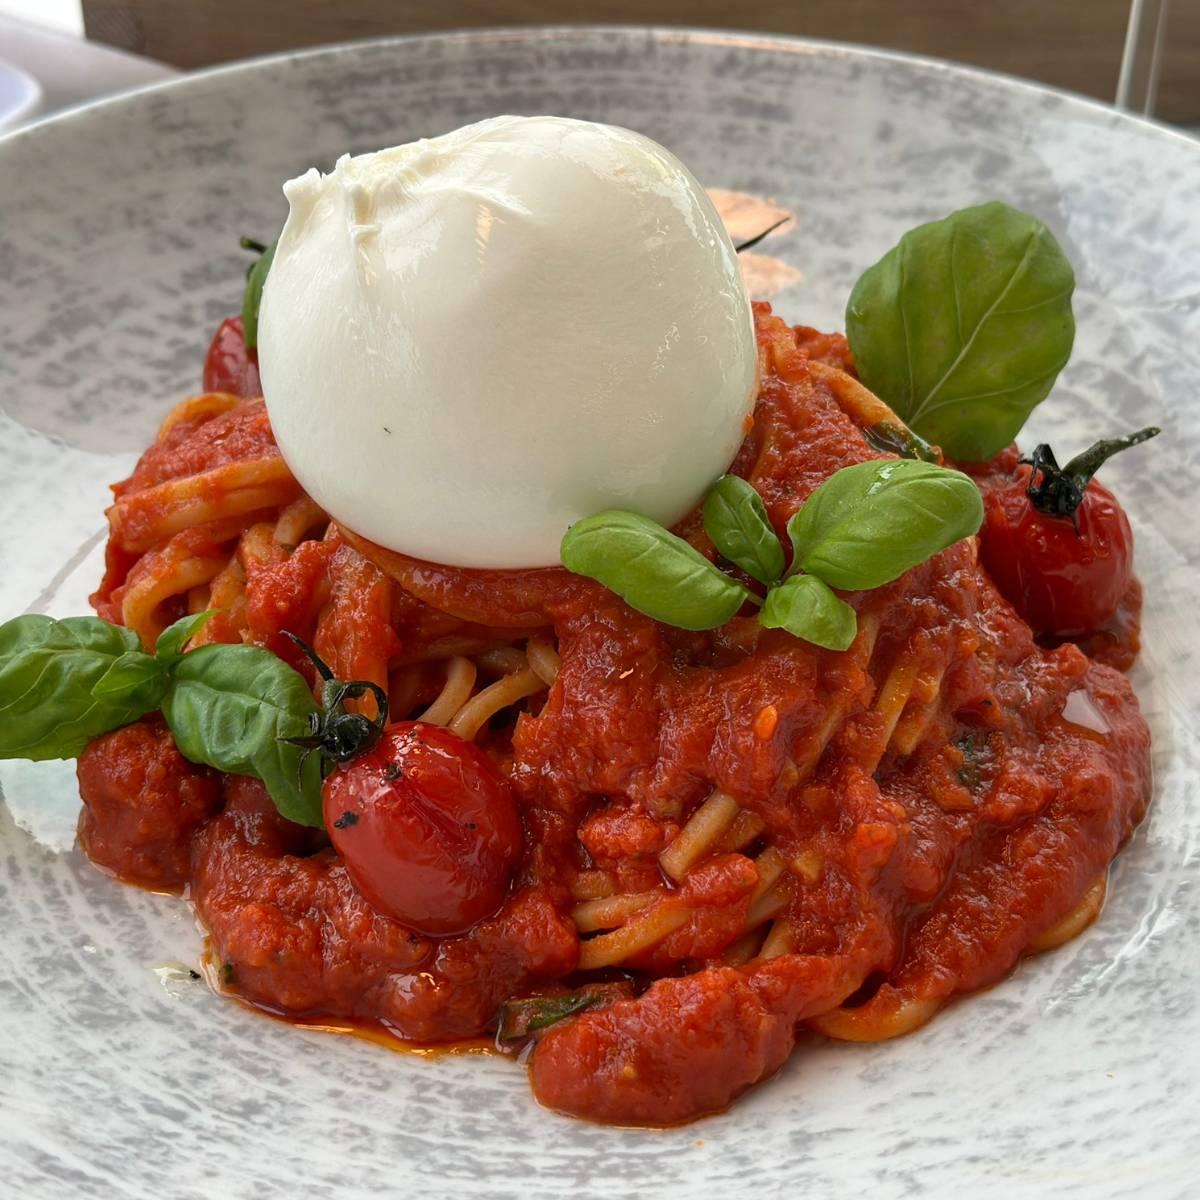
868	524
252	297
48	670
136	678
964	325
808	609
976	760
169	649
736	520
522	1019
229	706
519	1018
654	571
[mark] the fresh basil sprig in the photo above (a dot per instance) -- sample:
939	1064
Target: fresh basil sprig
231	707
868	524
63	683
863	527
256	277
174	639
808	608
652	570
735	519
49	673
964	325
136	679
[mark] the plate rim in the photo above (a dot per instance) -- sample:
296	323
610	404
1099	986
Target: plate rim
558	31
33	96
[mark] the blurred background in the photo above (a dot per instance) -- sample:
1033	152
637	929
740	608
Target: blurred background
1142	54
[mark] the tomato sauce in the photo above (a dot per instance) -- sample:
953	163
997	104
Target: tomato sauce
917	871
144	803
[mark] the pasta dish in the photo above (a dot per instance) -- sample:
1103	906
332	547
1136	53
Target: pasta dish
823	753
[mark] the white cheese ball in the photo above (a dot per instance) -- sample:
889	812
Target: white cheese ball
469	342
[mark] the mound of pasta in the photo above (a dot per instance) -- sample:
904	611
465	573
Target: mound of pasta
727	836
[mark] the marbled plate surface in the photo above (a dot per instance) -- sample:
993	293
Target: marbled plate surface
1079	1077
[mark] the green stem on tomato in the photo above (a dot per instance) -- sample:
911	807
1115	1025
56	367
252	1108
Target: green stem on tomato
1058	491
336	734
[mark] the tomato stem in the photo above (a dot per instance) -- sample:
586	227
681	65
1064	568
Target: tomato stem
337	735
1058	491
758	237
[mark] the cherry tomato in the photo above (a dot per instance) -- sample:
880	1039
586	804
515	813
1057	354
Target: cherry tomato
1065	578
229	366
427	827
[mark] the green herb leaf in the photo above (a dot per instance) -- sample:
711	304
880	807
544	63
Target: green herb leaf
519	1018
169	649
135	679
868	524
964	325
230	706
976	755
736	520
252	298
808	609
48	672
654	571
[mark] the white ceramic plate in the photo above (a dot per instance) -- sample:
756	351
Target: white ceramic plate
1078	1077
19	95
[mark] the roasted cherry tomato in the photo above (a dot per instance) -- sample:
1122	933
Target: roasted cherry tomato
427	827
425	823
1057	544
229	366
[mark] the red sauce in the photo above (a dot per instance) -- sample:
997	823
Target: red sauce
144	803
1117	643
241	434
933	870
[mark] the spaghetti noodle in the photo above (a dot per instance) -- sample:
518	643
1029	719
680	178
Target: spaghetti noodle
756	833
